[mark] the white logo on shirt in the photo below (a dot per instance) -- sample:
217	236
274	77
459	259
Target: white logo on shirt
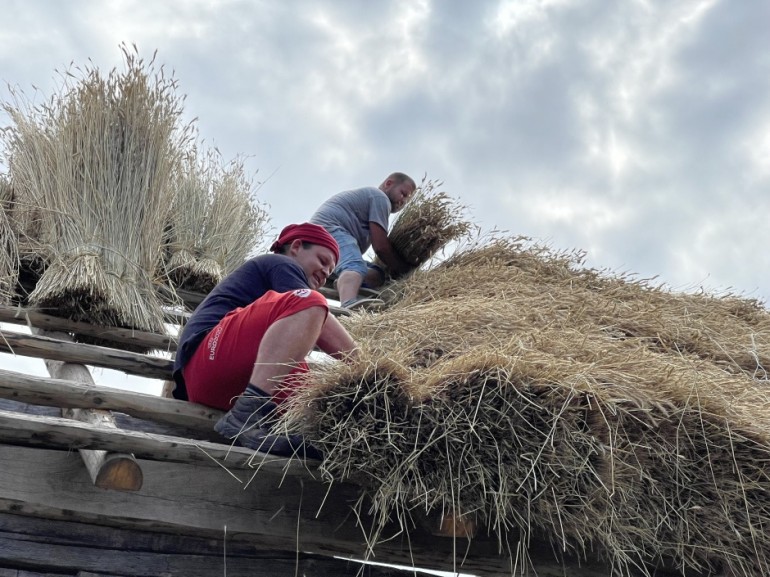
302	293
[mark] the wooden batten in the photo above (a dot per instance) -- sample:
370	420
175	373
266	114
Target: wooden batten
60	349
35	318
76	395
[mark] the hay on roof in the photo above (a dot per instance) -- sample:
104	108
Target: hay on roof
506	383
215	221
96	162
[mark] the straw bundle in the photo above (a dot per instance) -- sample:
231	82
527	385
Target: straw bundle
97	161
429	221
215	221
524	398
27	142
9	249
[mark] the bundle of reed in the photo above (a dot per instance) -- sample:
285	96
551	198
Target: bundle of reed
429	222
9	243
215	222
97	161
27	142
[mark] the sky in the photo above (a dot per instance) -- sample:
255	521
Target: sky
637	131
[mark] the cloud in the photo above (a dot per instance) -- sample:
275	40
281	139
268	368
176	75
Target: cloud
634	130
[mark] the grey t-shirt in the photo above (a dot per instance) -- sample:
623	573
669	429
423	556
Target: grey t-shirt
353	210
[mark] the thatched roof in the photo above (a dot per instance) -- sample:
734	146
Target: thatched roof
511	384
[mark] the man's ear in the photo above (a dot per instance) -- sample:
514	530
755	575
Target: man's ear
294	247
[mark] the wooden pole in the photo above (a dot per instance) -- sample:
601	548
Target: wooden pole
116	471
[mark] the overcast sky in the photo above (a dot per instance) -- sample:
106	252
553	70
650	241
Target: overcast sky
638	131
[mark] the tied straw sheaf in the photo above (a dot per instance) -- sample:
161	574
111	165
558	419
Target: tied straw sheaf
429	222
215	221
511	385
95	161
9	251
113	200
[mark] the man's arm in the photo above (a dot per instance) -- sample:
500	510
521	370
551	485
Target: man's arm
397	266
335	340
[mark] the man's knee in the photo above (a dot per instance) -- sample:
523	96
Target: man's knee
303	306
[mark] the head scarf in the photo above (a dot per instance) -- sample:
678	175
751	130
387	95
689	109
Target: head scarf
307	232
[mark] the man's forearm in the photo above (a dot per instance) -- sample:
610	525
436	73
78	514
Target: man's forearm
335	340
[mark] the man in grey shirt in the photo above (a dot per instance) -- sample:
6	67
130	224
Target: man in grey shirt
358	219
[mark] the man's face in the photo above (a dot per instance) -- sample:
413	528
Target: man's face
398	194
316	261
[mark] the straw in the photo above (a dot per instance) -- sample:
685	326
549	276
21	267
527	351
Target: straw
606	415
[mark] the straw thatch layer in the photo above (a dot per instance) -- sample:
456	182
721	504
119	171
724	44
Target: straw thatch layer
610	416
95	161
215	222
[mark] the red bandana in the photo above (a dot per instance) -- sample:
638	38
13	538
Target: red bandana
307	232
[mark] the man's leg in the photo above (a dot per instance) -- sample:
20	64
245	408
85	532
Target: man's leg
351	268
375	276
264	341
283	347
286	343
348	284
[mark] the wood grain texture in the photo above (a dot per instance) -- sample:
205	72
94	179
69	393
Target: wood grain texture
71	394
274	509
41	347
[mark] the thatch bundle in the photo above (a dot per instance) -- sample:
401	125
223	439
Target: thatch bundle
96	162
599	412
429	221
215	221
9	243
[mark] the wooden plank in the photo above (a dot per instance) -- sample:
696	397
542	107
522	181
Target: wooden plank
57	432
282	510
98	551
58	350
70	394
5	572
30	317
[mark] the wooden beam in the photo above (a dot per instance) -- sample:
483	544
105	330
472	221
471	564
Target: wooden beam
70	394
281	510
58	350
61	433
30	317
63	547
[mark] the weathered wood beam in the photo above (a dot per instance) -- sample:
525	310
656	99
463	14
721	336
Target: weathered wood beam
331	293
71	394
277	510
57	432
30	317
63	547
58	350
